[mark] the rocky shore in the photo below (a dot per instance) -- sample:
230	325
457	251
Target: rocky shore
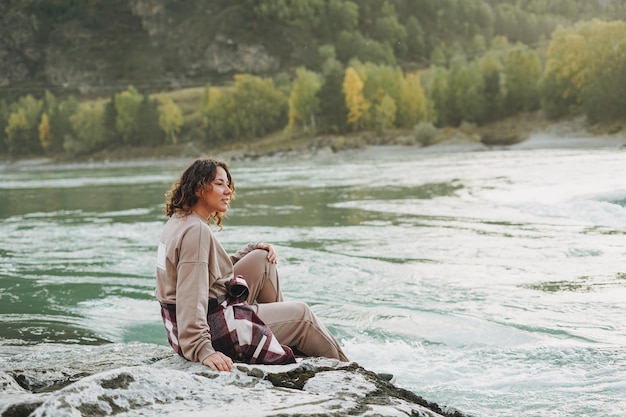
139	379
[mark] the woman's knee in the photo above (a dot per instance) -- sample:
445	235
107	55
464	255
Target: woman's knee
258	256
301	310
254	263
259	253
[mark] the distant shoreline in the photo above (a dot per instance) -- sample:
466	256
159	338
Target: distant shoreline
524	132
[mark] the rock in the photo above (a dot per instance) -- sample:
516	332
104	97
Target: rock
149	380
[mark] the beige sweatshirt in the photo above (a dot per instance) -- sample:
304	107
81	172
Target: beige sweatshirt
192	266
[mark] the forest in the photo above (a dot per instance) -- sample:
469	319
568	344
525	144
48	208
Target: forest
369	66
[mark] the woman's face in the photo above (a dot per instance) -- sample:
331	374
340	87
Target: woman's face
214	197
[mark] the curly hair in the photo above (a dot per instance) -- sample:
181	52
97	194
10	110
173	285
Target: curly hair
182	196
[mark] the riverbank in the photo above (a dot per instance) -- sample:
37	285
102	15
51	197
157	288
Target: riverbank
524	131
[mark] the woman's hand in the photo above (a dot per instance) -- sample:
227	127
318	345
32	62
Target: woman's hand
219	362
272	256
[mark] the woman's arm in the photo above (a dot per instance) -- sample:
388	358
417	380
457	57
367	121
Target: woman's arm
192	294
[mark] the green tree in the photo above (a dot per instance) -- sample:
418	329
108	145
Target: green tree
148	130
260	108
340	15
554	101
385	109
523	25
218	115
303	100
492	69
170	119
478	46
522	71
412	104
438	56
113	137
470	18
416	39
333	113
60	126
88	126
389	31
441	96
604	98
388	79
352	45
468	89
127	105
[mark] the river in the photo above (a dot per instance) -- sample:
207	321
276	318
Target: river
493	282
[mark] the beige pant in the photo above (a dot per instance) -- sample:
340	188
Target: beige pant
293	322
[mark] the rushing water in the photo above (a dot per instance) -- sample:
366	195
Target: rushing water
493	282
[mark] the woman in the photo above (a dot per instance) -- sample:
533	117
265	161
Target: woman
193	268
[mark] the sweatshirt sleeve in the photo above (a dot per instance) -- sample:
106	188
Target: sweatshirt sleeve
243	252
192	289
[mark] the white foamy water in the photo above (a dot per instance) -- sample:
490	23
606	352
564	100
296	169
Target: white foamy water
493	282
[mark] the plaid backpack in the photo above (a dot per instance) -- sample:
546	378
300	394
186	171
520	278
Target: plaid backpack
236	330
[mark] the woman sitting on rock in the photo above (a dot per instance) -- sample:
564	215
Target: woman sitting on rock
203	290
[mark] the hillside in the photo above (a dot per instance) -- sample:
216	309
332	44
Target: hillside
102	46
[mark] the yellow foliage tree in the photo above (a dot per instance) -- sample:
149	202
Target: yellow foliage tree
18	131
17	122
566	59
606	46
579	59
44	131
356	103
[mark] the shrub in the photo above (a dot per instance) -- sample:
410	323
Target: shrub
424	133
